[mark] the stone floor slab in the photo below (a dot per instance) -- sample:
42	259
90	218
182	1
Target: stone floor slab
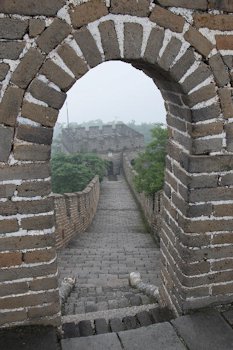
156	337
108	341
205	331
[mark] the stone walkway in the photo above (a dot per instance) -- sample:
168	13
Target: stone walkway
101	259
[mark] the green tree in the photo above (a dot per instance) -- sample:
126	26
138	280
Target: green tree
71	173
150	165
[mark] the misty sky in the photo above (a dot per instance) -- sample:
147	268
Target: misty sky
114	91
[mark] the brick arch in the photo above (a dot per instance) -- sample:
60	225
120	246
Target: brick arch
191	75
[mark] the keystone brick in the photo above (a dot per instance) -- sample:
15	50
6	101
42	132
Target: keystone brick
45	93
36	27
6	139
88	12
32	7
202	130
38	222
11	49
220	71
9	226
133	34
27	68
77	66
32	152
203	94
12	29
198	76
225	5
24	172
154	45
10	105
226	102
10	259
53	35
26	242
39	135
184	63
57	75
130	7
34	189
216	22
198	4
39	256
198	41
170	53
167	19
88	47
109	40
4	68
205	113
44	115
224	42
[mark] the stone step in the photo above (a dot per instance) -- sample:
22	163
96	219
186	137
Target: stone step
113	320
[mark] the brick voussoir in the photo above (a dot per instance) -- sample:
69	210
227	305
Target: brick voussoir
87	12
167	19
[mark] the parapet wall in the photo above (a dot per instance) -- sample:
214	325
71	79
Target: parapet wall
150	205
74	212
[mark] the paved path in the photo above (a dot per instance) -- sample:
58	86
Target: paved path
101	259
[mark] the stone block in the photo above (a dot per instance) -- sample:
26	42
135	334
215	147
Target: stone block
85	328
197	77
170	53
88	47
154	45
198	4
133	34
167	19
38	135
6	140
219	70
138	8
144	318
102	341
203	94
224	5
87	12
116	325
12	28
57	75
44	115
38	223
36	27
130	322
24	172
31	152
27	68
183	64
215	22
4	68
109	40
10	259
31	7
34	189
210	112
10	225
198	41
224	42
11	49
47	94
53	35
101	326
10	105
77	66
226	102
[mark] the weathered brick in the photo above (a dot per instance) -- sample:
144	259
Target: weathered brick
203	181
170	53
197	77
130	7
87	12
36	27
10	259
24	171
39	135
38	222
45	93
71	59
202	130
229	136
7	191
183	113
198	41
27	242
4	68
109	40
27	68
200	164
222	289
172	98
199	210
220	71
183	64
46	310
34	189
6	139
10	105
198	4
53	35
13	288
228	60
44	115
35	207
221	265
205	93
88	46
37	256
8	208
223	210
43	283
225	5
226	102
12	28
207	146
222	238
10	225
224	42
32	7
227	180
13	316
31	152
11	49
154	45
211	194
210	112
176	123
57	75
133	34
215	22
167	19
